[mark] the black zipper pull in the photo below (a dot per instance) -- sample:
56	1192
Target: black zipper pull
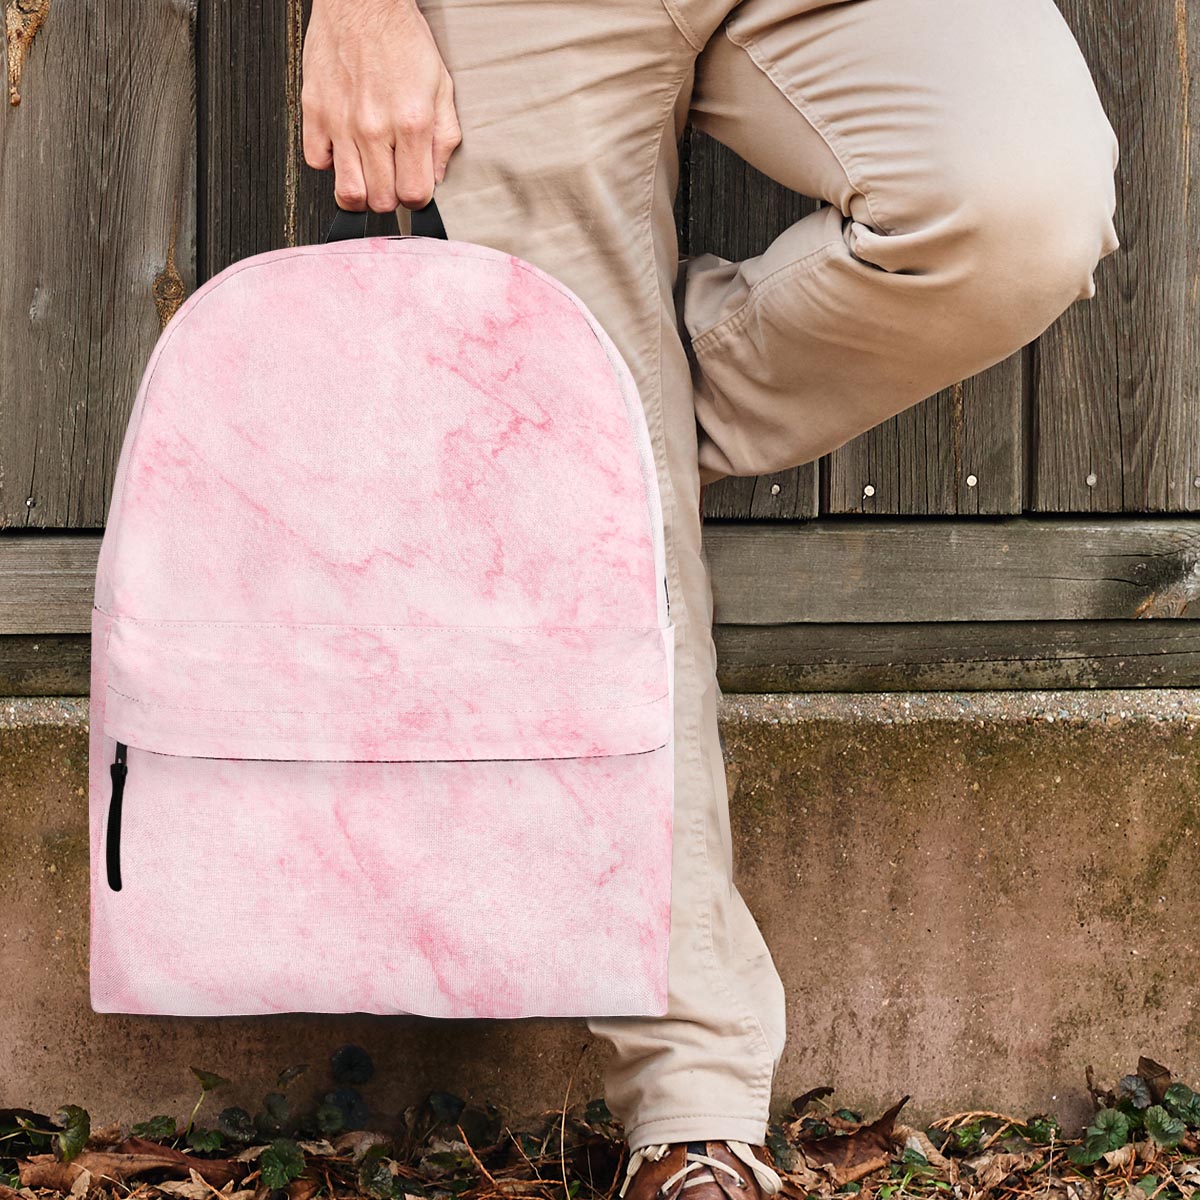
118	770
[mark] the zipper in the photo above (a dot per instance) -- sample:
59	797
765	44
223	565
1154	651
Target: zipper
118	770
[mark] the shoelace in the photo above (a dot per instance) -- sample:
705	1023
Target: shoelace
768	1179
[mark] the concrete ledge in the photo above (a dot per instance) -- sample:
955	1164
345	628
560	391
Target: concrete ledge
970	896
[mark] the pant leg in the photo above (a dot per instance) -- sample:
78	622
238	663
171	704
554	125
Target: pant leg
570	112
968	169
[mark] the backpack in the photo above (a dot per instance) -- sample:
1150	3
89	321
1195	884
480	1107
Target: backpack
382	660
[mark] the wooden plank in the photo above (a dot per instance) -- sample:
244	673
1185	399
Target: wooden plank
959	453
950	656
785	495
1007	569
735	211
1118	382
45	665
257	192
47	582
97	222
244	137
957	656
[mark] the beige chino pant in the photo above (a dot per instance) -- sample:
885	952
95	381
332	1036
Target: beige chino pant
968	172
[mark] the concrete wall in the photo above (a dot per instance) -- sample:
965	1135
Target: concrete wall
970	896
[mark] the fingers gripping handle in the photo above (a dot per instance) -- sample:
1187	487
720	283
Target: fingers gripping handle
426	222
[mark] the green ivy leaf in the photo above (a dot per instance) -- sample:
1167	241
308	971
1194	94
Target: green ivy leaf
1087	1152
209	1080
1165	1129
967	1137
1180	1101
1112	1126
330	1118
281	1162
157	1129
375	1173
1148	1184
236	1125
785	1156
1109	1130
1043	1129
1136	1088
205	1140
76	1125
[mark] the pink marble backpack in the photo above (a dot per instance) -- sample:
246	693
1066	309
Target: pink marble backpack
382	664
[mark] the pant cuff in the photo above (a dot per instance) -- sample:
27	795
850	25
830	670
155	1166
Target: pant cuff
698	1127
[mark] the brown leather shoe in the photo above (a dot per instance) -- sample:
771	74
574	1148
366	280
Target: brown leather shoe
701	1171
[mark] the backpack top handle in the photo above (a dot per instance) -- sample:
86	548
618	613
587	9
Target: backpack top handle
426	222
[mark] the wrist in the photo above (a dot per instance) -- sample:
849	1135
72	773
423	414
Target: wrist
366	10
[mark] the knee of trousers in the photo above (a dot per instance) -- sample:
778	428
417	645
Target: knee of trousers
1011	245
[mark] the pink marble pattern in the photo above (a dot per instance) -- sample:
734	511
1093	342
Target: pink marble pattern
380	616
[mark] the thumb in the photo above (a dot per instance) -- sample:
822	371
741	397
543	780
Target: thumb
447	133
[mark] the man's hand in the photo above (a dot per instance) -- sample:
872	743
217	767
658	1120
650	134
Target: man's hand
378	103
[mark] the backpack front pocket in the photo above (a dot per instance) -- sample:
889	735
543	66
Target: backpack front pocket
440	822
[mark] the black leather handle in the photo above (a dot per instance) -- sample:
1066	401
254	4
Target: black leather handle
426	222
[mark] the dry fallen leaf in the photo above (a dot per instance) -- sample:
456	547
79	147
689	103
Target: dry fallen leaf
1157	1077
302	1188
190	1189
319	1149
1121	1157
45	1171
846	1158
520	1187
992	1167
918	1140
357	1142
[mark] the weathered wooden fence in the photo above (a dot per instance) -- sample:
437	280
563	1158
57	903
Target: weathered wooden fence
1015	530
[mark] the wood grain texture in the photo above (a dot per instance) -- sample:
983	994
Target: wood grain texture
957	656
257	193
998	569
840	571
45	664
957	453
97	226
47	582
1117	400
